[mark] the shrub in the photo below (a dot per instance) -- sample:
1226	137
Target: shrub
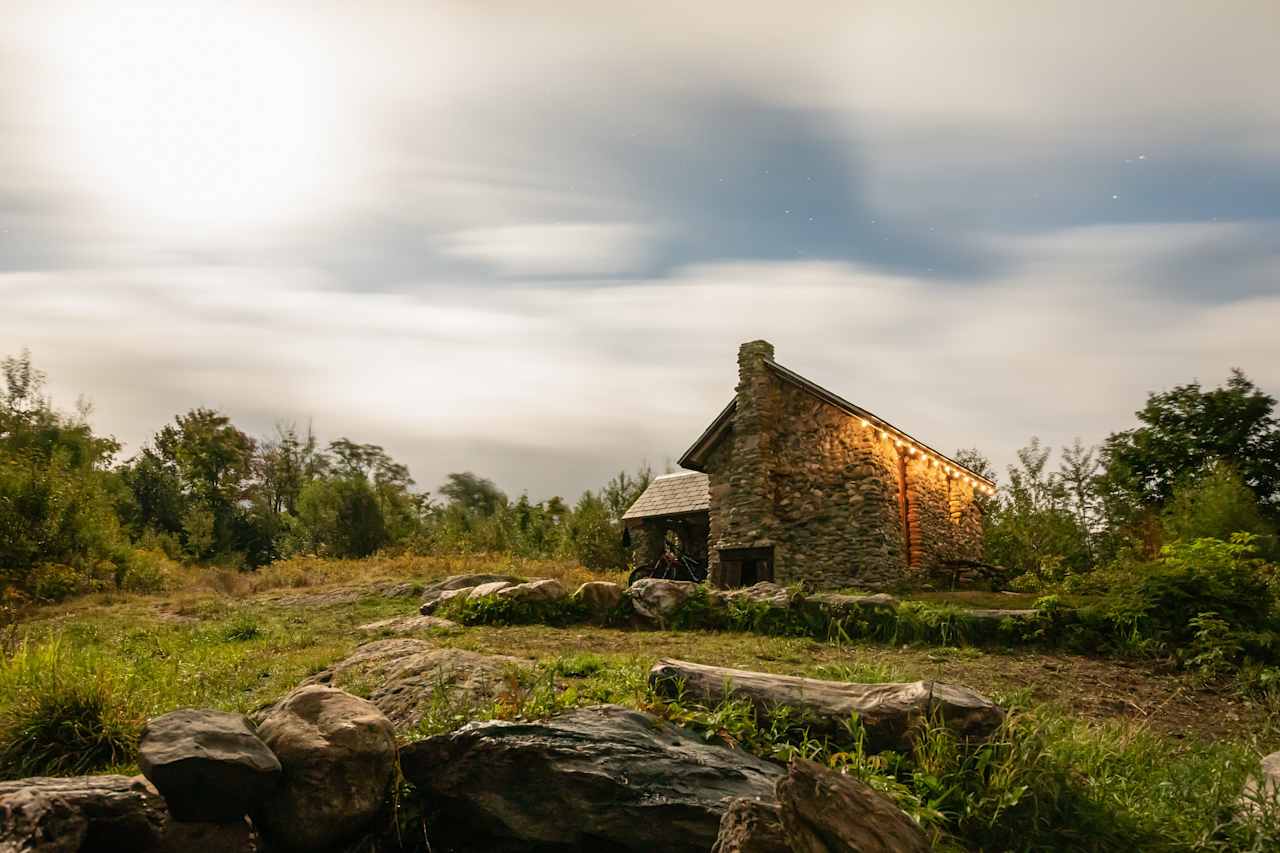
1196	577
149	572
499	610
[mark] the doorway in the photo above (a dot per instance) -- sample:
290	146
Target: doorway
746	566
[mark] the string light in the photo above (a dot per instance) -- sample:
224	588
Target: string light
934	460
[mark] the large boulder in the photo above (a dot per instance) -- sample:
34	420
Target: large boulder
406	678
656	601
542	591
752	826
339	758
827	812
208	765
599	778
95	814
434	590
600	598
890	713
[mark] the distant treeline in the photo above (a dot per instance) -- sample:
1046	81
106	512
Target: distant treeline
1204	463
73	516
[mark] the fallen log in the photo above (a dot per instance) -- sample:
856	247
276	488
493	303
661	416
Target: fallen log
890	714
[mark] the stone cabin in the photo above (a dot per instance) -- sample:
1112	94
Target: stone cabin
792	483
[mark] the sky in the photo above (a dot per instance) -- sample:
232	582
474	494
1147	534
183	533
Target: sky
526	239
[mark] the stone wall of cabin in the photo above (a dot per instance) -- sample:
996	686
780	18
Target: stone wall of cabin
827	493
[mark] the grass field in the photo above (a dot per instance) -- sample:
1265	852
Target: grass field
1099	755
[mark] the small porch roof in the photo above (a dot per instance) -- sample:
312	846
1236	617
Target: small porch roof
672	494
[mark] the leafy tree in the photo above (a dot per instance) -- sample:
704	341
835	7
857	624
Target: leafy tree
285	464
473	493
57	514
1032	528
1077	473
1185	432
1216	505
621	492
195	481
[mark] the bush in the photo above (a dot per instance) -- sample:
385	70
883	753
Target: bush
149	572
1205	575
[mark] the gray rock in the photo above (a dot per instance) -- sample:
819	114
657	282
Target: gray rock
485	590
600	778
1262	790
752	826
890	713
91	813
208	765
844	605
339	757
657	601
407	677
600	597
827	812
432	591
537	591
765	592
431	605
409	625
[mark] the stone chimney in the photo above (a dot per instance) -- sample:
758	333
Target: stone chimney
749	503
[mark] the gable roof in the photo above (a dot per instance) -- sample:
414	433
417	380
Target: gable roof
672	494
695	456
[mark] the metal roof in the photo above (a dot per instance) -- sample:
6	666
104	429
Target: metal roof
693	457
672	494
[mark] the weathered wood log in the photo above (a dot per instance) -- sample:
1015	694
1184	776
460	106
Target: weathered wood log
826	812
891	714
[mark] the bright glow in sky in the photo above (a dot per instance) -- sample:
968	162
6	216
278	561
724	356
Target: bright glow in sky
196	116
526	240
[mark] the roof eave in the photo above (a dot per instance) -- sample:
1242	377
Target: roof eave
692	457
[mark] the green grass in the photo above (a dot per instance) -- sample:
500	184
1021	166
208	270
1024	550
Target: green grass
81	680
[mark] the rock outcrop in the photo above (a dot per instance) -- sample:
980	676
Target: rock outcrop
890	713
408	625
404	677
599	778
208	765
434	593
338	755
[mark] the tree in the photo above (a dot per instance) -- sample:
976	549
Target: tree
1185	432
621	492
340	517
195	481
1032	528
473	493
1078	472
57	516
1216	505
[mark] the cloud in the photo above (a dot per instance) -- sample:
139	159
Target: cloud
551	386
566	249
